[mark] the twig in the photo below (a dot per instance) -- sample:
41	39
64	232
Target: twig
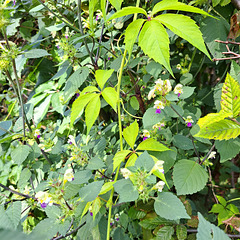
229	235
211	149
228	42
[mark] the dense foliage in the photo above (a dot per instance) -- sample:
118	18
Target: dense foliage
119	119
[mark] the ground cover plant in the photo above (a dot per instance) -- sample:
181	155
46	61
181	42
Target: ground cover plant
119	119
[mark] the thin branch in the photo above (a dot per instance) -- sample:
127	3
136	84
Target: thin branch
229	235
228	42
211	149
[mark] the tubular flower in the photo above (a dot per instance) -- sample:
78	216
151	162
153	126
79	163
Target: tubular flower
189	121
158	105
158	166
126	173
68	175
145	134
212	155
151	94
159	186
37	133
178	89
44	199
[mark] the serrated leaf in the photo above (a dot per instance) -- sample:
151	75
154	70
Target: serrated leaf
36	53
102	76
71	190
96	205
168	206
144	161
90	191
131	160
92	111
151	144
74	82
189	177
230	99
20	154
24	177
14	213
111	97
5	126
222	130
127	11
209	231
79	104
175	5
119	158
182	142
131	34
184	27
181	232
130	133
150	118
165	233
154	41
106	187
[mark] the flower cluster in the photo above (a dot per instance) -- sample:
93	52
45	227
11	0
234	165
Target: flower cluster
126	173
159	125
44	199
145	134
178	89
162	88
37	133
68	175
189	121
159	186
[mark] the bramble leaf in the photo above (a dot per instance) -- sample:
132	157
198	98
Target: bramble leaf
230	99
110	96
102	76
130	133
189	177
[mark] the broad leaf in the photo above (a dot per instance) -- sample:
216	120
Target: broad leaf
119	158
24	177
127	11
222	130
106	187
165	233
92	8
189	177
36	53
151	144
20	154
131	34
102	76
175	5
79	104
116	3
5	126
230	99
92	111
89	192
96	205
74	82
184	27
111	97
131	160
154	41
130	134
14	213
209	231
168	206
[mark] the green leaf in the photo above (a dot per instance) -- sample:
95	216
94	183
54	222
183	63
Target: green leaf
92	111
116	3
24	177
41	110
181	232
232	146
175	5
106	187
168	206
13	235
36	53
131	160
96	205
222	130
150	118
130	133
128	11
209	231
165	233
119	158
134	103
91	191
182	142
184	27
5	126
14	213
151	144
145	161
79	104
154	41
123	187
189	177
82	176
131	34
74	82
71	190
20	154
230	99
111	97
102	76
92	8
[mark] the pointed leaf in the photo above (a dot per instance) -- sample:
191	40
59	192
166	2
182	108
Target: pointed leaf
89	192
20	154
24	177
189	177
222	130
184	27
230	99
111	97
127	11
151	144
131	161
119	158
154	41
131	34
14	213
168	206
79	104
96	205
102	76
175	5
106	187
130	133
116	3
92	111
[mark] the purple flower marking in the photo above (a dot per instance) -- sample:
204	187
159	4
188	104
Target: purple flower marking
77	94
43	205
159	129
189	124
108	58
179	94
66	36
58	46
38	136
14	3
111	224
145	138
91	214
97	17
158	111
117	219
72	178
